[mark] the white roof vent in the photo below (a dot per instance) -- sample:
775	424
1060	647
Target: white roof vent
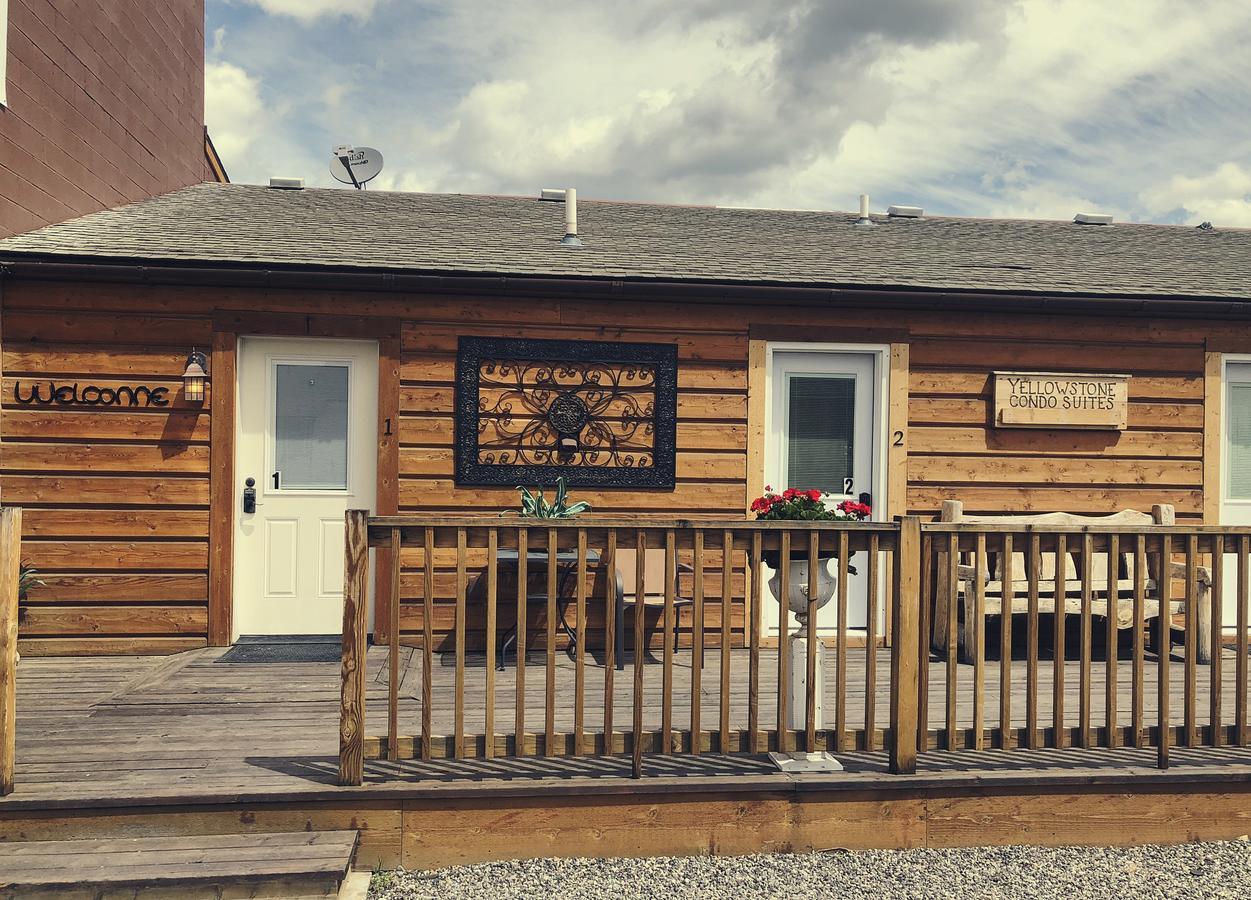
1092	219
554	194
864	221
287	184
905	212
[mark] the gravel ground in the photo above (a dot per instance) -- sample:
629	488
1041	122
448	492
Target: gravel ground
1220	869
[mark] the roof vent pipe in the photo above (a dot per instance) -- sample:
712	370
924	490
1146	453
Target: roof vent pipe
571	219
864	219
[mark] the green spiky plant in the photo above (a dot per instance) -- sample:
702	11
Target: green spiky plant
26	579
535	506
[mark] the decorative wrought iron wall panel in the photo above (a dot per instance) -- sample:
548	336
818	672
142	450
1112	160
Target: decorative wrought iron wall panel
600	413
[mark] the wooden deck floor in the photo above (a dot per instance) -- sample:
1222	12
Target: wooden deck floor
110	730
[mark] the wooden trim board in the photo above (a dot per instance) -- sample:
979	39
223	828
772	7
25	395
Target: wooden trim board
1213	400
757	381
436	832
388	471
223	374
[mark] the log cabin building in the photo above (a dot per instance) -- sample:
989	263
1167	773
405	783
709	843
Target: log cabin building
409	352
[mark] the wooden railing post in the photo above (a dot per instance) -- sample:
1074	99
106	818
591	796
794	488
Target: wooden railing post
905	649
355	597
10	553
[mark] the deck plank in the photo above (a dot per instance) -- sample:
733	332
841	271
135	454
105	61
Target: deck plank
118	728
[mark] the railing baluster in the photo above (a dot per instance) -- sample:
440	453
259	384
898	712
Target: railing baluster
1190	674
427	645
1031	641
755	609
1216	714
926	591
393	653
979	643
579	660
610	637
549	681
1163	715
1111	637
667	636
640	595
840	693
492	590
462	581
1084	676
697	639
727	613
519	645
952	576
870	645
1008	593
1140	623
810	661
784	686
1058	726
1240	663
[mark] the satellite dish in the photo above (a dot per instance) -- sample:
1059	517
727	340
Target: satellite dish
355	165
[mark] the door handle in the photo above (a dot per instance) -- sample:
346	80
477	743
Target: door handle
249	495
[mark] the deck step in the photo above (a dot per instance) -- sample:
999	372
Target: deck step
281	864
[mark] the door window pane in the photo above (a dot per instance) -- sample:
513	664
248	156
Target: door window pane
1239	447
820	432
311	426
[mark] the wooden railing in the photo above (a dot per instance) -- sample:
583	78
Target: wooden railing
1133	695
702	566
974	681
10	566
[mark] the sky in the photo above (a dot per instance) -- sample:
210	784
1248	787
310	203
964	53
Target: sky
1003	108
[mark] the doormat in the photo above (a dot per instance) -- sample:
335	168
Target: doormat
297	649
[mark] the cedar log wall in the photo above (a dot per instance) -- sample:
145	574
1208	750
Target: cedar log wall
117	500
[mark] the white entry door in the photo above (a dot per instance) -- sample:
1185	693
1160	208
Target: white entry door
1235	470
307	442
823	420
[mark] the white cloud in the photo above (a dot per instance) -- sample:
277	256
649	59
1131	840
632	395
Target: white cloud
1222	196
233	109
308	11
979	107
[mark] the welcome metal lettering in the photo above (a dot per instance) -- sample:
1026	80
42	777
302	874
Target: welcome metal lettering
1051	400
51	394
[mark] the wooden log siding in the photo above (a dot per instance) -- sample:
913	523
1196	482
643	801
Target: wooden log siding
115	498
129	487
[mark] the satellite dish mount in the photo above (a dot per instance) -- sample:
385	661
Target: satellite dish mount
356	166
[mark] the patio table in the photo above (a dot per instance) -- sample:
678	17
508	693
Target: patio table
537	561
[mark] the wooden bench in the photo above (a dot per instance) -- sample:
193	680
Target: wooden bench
1112	591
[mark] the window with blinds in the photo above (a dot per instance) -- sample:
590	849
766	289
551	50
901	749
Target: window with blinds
1238	450
820	432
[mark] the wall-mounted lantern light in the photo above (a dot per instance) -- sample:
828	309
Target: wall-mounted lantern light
195	378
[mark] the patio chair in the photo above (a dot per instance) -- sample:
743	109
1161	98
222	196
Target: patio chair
653	599
1112	591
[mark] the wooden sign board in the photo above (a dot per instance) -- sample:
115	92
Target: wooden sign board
1052	400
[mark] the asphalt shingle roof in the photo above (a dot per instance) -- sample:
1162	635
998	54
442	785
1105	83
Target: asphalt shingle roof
455	233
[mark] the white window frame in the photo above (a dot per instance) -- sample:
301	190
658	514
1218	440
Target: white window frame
272	362
4	53
881	395
1227	359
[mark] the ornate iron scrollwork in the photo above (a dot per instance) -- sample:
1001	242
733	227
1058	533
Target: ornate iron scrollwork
599	413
